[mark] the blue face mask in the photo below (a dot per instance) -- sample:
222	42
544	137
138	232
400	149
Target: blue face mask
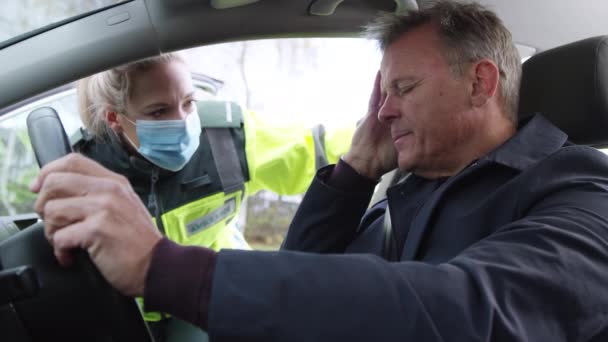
168	144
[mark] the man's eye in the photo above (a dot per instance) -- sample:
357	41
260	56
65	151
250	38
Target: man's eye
404	90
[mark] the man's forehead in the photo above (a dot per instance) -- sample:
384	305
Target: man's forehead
398	68
411	53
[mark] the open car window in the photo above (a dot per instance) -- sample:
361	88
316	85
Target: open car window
313	81
18	166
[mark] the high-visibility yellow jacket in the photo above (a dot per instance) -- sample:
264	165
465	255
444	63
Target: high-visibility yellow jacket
239	154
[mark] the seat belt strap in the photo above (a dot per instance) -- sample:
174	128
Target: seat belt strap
318	135
390	250
226	159
217	119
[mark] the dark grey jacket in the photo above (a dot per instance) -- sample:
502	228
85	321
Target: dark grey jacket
514	248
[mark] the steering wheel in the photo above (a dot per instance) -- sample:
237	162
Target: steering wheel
58	303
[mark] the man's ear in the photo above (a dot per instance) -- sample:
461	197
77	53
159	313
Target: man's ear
113	122
485	82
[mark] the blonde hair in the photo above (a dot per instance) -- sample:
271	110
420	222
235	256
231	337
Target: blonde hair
110	90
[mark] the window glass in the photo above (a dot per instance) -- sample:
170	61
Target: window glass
18	165
310	81
313	81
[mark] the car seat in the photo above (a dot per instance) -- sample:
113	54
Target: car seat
569	86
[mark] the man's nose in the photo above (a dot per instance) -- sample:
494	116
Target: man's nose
388	111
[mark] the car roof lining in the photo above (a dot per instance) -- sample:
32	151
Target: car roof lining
223	4
179	27
328	7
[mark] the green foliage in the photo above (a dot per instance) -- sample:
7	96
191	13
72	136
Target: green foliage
268	220
18	170
23	199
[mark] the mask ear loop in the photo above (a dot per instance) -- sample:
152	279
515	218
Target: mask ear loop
126	136
127	118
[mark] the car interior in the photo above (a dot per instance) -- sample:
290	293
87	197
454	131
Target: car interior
565	79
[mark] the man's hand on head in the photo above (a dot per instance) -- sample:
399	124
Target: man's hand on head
86	206
372	151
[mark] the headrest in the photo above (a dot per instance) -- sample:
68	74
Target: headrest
569	86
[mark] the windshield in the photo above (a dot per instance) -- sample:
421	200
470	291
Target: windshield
19	17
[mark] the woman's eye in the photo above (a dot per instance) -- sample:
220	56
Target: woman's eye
156	113
189	105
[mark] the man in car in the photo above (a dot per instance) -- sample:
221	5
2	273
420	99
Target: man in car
500	231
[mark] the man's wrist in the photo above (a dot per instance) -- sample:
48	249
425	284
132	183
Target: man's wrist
344	178
179	281
362	167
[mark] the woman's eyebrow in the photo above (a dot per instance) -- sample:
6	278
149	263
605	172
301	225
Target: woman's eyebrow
155	105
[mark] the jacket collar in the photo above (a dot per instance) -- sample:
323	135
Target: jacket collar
536	138
117	158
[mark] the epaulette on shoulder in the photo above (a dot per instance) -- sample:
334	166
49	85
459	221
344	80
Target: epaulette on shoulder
220	114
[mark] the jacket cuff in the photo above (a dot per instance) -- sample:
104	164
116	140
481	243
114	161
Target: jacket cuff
344	178
179	281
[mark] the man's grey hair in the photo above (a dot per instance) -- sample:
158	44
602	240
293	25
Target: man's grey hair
469	32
